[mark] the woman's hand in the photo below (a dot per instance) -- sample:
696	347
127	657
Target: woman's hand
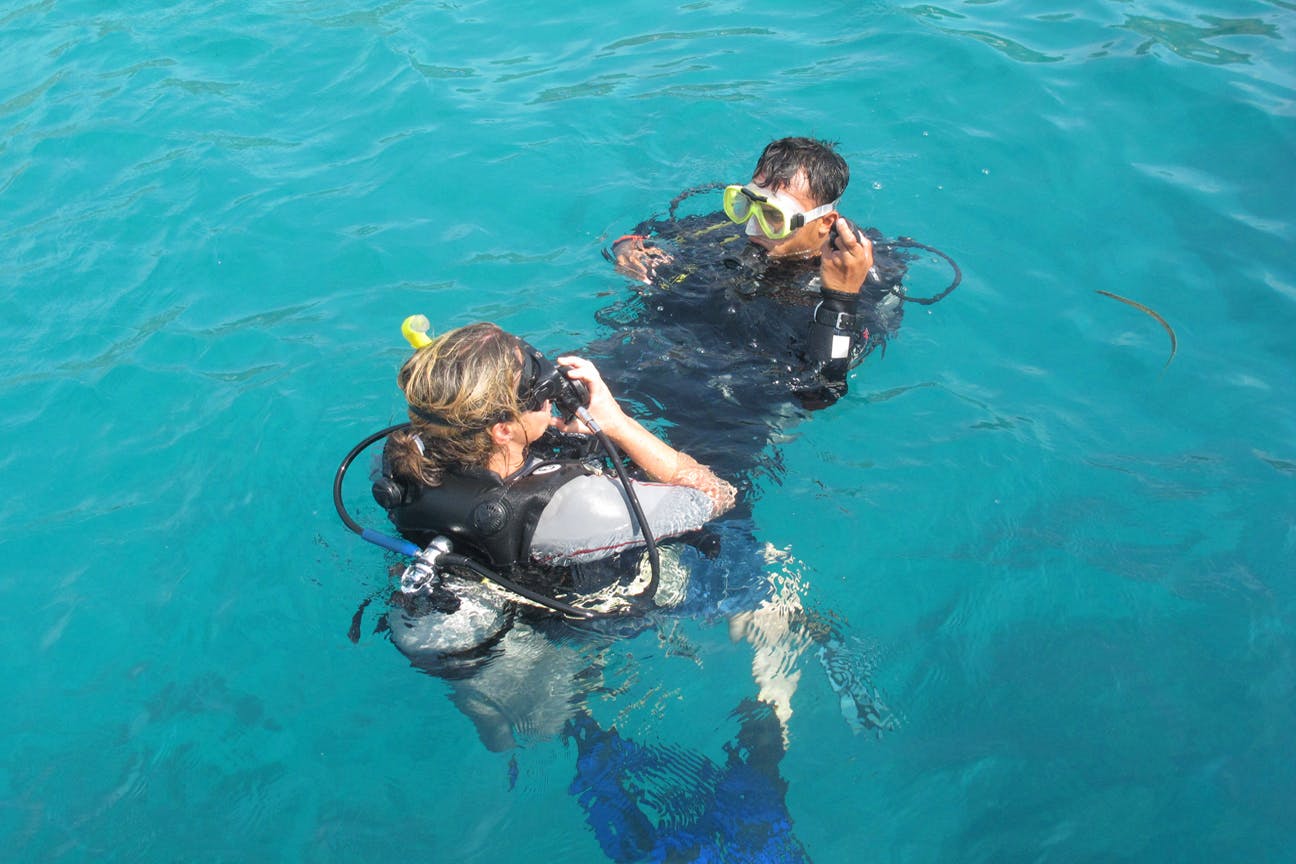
659	460
603	406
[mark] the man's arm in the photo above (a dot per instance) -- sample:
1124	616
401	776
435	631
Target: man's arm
834	326
636	256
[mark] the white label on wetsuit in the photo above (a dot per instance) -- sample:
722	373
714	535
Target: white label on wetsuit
840	347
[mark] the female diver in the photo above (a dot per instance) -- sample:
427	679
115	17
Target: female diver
485	464
526	501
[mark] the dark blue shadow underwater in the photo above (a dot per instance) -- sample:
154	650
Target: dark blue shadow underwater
701	811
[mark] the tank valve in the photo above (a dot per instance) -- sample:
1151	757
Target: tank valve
420	575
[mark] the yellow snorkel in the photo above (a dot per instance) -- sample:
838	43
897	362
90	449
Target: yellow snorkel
415	329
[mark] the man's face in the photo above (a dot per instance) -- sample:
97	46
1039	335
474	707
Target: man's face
806	241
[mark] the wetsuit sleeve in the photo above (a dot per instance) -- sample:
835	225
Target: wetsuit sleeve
834	330
589	518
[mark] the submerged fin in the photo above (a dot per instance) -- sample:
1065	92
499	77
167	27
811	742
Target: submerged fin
860	703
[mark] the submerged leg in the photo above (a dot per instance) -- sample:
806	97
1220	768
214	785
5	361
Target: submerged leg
622	829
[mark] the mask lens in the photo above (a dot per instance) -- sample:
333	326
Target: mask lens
742	205
737	206
772	221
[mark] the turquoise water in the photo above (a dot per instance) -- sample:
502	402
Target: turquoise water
1068	563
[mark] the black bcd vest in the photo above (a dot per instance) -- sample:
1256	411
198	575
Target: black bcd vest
482	514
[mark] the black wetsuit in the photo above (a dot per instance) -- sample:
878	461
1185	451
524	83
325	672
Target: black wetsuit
719	342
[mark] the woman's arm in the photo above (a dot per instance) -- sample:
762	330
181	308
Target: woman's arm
659	460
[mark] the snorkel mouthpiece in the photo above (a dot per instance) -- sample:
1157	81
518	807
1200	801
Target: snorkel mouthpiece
415	329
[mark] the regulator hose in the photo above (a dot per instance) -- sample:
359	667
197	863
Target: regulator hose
910	243
615	458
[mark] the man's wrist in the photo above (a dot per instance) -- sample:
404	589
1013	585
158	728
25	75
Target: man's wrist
836	310
840	301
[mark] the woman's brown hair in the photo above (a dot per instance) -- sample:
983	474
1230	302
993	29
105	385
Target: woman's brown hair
457	388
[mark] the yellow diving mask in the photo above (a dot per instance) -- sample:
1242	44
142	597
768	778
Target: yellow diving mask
776	215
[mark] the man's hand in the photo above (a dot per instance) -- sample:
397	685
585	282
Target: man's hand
845	267
637	260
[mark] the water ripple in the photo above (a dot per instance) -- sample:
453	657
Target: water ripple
1190	42
679	36
1083	36
1014	50
34	95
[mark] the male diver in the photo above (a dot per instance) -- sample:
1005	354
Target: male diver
797	286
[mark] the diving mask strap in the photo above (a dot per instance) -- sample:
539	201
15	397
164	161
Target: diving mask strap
429	416
809	216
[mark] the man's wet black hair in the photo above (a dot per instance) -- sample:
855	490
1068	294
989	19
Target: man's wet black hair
826	171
